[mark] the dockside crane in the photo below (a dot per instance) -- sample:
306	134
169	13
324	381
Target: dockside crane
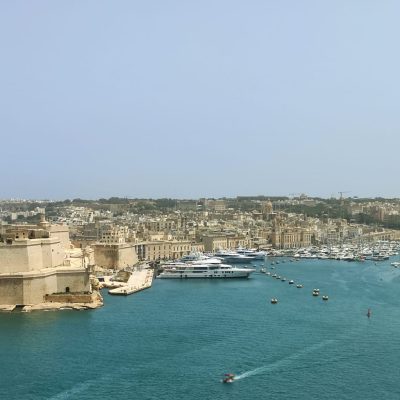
341	194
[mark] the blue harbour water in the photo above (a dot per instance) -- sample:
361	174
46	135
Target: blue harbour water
177	339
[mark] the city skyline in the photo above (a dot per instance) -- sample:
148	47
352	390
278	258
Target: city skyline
218	99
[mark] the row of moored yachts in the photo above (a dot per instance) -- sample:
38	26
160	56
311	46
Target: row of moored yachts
218	265
381	251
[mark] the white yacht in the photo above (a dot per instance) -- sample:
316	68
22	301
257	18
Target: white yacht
196	256
204	270
252	253
233	257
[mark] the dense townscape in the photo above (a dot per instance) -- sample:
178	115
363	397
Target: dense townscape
63	252
168	229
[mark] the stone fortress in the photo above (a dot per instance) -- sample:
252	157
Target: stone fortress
38	265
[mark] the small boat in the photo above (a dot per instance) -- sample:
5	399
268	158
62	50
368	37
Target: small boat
395	264
283	279
228	378
273	276
325	297
299	286
274	301
369	313
314	293
291	282
263	270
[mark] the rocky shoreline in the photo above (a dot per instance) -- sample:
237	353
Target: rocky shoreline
96	302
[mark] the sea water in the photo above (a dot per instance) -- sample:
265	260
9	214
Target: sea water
177	339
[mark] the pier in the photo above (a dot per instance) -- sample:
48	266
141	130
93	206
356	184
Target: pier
138	280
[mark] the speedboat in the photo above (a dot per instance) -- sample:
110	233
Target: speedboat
291	282
274	301
299	286
228	378
325	297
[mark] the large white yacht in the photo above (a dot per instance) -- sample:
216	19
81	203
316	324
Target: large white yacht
232	257
204	270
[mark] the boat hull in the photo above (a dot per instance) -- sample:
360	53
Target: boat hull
192	275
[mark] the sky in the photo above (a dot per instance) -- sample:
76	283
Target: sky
189	99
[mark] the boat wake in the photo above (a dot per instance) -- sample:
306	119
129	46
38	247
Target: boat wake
71	393
284	362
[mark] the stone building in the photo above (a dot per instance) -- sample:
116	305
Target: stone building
112	251
213	243
267	210
114	255
162	250
33	264
290	238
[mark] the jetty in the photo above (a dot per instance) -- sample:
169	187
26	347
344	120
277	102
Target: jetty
137	281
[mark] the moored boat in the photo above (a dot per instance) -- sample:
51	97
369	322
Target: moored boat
198	270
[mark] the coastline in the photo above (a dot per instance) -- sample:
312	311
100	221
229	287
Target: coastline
96	302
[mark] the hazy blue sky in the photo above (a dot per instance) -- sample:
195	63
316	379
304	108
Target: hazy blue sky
199	98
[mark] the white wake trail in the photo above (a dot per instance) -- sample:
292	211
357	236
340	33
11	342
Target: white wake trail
284	361
70	393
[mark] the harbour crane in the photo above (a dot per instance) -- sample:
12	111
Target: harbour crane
341	194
